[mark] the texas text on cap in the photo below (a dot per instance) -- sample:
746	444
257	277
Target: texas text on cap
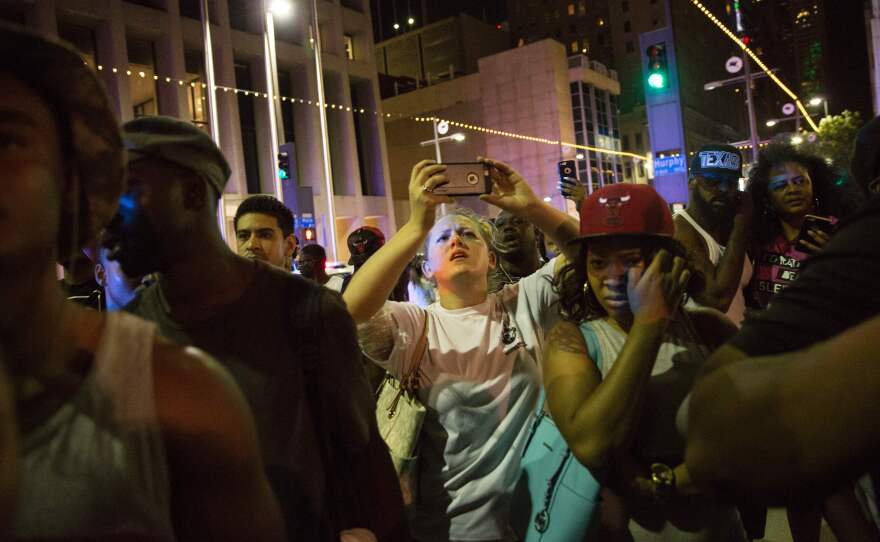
625	209
717	161
178	142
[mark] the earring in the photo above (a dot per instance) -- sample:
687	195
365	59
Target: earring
816	204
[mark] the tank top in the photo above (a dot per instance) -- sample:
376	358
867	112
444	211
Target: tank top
656	438
97	467
737	310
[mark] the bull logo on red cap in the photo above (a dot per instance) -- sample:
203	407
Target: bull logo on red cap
613	206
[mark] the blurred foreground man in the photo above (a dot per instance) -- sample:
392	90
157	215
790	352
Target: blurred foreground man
289	344
122	434
789	407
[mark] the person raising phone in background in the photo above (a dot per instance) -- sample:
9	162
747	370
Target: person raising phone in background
796	205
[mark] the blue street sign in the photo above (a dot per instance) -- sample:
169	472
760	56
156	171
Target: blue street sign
669	166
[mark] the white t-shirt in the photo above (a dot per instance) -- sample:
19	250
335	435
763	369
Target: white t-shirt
481	395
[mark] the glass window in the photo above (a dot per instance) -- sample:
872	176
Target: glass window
571	9
600	21
248	126
582	7
627	26
624	6
639	141
625	141
349	46
82	38
140	72
197	100
574	46
630	48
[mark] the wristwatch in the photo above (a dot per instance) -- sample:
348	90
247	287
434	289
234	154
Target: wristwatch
663	479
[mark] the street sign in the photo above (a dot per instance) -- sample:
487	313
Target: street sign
733	64
669	165
788	109
442	127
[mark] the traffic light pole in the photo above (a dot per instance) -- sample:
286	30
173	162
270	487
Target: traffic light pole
750	103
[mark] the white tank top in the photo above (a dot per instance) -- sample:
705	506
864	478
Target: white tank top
97	467
737	310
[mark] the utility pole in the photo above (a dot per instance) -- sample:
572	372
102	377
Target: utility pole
750	103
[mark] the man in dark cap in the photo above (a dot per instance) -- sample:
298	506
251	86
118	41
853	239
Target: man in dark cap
290	344
363	243
789	406
714	229
123	434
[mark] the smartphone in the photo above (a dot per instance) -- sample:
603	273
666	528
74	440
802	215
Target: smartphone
813	222
567	170
465	179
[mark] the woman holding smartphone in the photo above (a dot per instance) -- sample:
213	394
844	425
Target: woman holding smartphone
797	204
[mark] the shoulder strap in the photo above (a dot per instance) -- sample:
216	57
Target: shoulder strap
592	341
409	381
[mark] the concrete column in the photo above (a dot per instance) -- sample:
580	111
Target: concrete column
42	17
227	103
172	99
263	127
112	53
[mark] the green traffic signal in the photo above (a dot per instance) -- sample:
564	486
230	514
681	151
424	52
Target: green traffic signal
656	80
658	67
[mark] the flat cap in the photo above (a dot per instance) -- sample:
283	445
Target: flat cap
181	143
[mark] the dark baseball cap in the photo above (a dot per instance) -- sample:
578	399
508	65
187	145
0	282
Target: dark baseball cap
363	243
179	142
718	162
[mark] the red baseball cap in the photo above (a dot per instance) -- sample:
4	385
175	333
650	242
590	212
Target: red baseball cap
625	209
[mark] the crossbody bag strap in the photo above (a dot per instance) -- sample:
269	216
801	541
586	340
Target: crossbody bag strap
409	380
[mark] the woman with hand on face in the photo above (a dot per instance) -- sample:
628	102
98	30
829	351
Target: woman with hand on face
622	360
480	376
786	186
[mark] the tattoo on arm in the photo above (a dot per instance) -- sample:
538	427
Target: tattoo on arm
563	338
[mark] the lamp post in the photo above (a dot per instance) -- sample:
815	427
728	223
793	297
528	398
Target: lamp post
276	126
209	73
819	100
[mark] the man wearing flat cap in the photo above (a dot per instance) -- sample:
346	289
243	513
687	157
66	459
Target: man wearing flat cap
123	434
289	343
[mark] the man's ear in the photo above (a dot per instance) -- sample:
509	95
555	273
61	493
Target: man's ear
100	275
195	192
290	246
874	186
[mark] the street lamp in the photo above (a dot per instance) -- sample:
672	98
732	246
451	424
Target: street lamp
579	156
281	8
797	140
396	26
410	21
815	101
772	122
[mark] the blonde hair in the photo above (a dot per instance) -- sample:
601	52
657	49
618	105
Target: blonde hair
485	227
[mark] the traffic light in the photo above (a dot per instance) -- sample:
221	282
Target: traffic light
309	234
658	69
283	165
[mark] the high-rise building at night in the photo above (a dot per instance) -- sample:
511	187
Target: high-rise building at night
150	55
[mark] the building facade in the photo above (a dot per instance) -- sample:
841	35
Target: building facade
150	55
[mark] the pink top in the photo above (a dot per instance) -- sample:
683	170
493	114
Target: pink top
777	265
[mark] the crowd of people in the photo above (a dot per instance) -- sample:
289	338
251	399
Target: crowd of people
701	366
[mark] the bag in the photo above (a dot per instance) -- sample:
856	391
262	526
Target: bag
362	496
400	415
556	498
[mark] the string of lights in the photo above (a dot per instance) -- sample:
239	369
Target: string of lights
758	61
364	111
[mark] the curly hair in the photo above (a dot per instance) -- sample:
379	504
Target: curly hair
266	205
832	199
578	302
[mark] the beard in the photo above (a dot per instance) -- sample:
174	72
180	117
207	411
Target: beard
133	241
